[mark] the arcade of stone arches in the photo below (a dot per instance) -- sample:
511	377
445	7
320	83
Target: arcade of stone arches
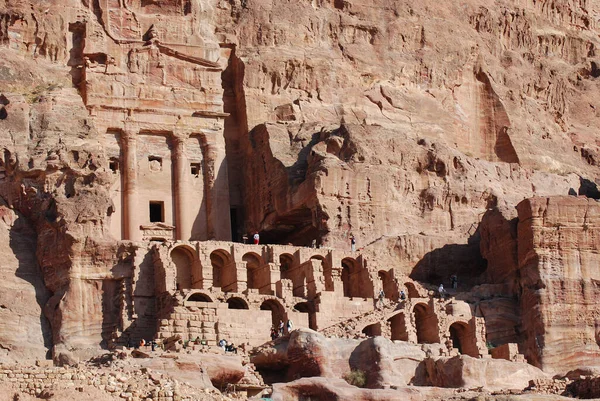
217	287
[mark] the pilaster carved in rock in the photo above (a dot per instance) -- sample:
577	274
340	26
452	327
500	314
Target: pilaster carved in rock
131	224
183	219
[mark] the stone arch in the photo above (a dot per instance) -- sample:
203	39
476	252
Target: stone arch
305	307
223	270
186	264
426	324
199	297
277	311
386	280
286	263
372	330
463	339
398	327
411	290
258	277
327	271
237	303
299	283
290	270
355	279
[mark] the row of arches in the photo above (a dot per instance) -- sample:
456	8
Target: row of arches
278	312
426	324
355	279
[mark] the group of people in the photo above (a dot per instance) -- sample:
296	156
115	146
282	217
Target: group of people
442	291
141	344
227	346
381	297
255	238
281	329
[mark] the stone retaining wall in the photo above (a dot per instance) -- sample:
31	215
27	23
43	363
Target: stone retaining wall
135	385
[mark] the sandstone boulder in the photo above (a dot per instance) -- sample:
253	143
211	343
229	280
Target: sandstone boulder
491	374
320	388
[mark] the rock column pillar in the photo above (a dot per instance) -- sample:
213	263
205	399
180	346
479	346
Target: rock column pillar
216	188
183	219
131	226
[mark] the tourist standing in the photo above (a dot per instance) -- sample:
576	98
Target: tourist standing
256	238
353	243
454	280
381	297
281	328
442	291
402	295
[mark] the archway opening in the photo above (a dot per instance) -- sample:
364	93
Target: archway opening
387	284
356	281
372	330
346	281
305	307
286	263
183	260
463	339
327	271
349	277
411	290
257	278
223	276
426	324
237	303
199	297
277	311
398	327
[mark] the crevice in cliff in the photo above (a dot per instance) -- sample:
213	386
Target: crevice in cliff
236	139
493	124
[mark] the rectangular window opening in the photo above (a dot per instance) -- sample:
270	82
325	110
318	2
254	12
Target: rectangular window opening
155	163
195	169
113	164
157	212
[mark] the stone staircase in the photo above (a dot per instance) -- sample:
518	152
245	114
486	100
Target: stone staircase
350	328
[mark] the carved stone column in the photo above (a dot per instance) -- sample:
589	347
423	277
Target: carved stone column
183	219
216	188
131	225
209	155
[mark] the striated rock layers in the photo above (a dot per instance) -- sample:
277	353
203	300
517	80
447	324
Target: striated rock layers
559	274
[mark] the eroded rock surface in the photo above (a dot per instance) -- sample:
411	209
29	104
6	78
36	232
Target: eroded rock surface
125	124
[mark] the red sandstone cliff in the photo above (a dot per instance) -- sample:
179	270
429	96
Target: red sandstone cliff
403	123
